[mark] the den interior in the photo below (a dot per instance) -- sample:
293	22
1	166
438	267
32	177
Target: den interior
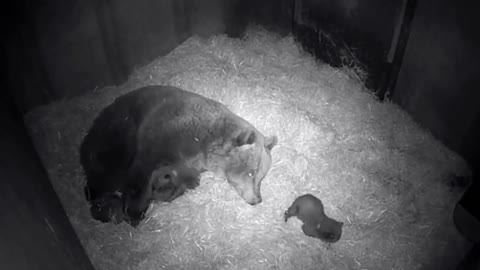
374	104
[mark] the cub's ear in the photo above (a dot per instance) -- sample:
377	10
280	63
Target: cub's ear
245	137
270	142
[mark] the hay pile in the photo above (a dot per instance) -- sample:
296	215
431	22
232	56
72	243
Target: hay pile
376	170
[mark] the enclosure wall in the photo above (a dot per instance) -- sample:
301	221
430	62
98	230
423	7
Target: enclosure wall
439	78
60	49
353	33
34	230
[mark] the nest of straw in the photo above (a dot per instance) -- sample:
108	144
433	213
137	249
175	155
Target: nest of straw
373	167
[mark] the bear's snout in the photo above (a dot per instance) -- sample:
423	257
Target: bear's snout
249	191
255	200
251	194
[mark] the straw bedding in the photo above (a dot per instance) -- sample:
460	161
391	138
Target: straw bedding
374	168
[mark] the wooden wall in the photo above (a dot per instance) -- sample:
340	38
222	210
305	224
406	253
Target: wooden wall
34	230
59	49
350	32
439	78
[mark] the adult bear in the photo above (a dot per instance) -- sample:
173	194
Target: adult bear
167	131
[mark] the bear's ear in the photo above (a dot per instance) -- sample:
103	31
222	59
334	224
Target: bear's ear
270	142
245	137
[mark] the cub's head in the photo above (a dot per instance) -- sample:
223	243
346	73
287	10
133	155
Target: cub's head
248	163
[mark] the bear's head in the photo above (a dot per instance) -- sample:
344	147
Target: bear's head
248	163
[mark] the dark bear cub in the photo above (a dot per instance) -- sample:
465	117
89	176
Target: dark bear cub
309	209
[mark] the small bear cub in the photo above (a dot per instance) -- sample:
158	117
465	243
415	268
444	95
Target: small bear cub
309	209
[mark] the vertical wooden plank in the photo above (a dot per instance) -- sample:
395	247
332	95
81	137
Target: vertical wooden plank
399	44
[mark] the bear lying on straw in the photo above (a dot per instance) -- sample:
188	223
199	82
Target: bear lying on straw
152	144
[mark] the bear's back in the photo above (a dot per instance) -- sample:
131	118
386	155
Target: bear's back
182	126
310	209
110	145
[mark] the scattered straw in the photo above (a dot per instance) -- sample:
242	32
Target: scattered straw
373	167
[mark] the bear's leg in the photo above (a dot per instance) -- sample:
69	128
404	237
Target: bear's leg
175	193
137	201
179	182
310	231
190	179
106	151
141	190
166	193
163	177
109	207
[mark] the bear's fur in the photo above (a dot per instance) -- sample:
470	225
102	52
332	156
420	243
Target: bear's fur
163	130
309	209
166	183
